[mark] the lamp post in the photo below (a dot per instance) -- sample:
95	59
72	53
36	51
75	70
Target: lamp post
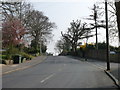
107	37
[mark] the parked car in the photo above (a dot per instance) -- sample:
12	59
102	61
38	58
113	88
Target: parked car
112	52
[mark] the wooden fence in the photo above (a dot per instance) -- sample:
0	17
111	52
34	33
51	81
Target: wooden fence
100	55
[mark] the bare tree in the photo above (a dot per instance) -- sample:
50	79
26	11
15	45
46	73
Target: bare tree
59	46
117	5
113	30
76	32
38	26
96	17
63	46
15	9
112	21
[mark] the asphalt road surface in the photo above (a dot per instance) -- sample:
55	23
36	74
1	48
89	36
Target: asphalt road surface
59	72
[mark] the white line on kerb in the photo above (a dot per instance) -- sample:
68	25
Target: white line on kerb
47	77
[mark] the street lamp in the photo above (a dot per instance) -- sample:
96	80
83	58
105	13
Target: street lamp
107	37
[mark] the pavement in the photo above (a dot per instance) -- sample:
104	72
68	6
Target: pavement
114	72
15	67
59	72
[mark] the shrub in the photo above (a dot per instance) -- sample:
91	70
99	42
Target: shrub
3	56
10	52
31	50
27	56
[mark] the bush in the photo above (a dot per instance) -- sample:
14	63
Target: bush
31	50
10	52
13	52
3	56
25	55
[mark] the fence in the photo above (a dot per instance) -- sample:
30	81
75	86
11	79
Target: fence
100	55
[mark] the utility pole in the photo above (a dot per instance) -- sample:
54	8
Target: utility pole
107	37
95	18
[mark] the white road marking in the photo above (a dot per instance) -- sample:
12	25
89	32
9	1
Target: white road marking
47	77
51	75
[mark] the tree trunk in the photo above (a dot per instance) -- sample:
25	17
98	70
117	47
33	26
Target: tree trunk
117	5
36	43
73	48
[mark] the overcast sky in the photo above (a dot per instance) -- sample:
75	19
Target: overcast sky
62	12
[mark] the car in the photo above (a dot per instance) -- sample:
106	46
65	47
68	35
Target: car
112	52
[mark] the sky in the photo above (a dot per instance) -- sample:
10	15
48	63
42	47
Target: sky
62	12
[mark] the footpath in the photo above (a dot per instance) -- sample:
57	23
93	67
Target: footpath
114	72
15	67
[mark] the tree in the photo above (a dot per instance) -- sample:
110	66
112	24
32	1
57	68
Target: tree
63	46
98	23
59	46
76	32
15	9
36	49
13	32
112	21
43	48
117	5
113	31
38	26
10	9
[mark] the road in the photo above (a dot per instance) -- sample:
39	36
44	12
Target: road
59	72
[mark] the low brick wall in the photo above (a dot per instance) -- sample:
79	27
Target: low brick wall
101	55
